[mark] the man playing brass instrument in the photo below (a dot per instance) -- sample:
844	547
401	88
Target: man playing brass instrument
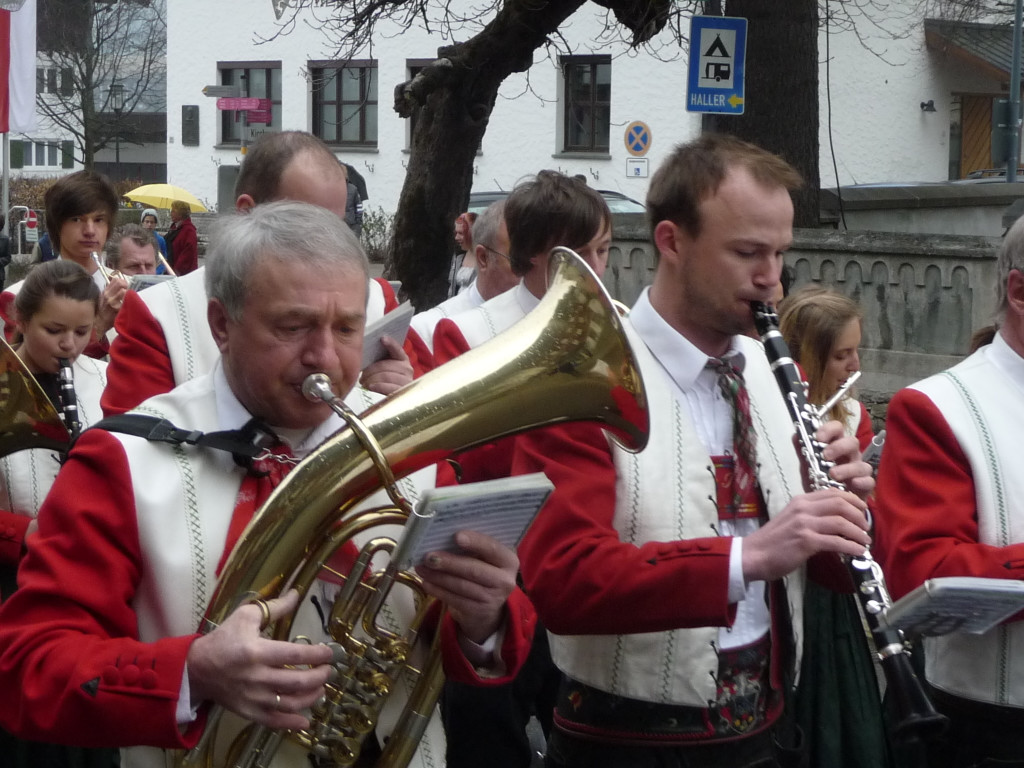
671	581
100	641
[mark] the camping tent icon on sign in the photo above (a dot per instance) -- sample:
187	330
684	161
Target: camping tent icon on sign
717	70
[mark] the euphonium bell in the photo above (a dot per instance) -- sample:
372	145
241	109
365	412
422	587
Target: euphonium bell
27	417
568	360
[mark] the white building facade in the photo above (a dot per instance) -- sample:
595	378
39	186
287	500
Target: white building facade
873	88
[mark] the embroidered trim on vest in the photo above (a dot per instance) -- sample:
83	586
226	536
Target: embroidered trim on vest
193	525
485	313
1004	535
185	326
765	438
990	453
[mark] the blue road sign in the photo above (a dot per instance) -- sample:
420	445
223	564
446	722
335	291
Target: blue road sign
718	49
637	138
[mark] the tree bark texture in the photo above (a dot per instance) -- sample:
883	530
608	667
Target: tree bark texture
453	99
781	107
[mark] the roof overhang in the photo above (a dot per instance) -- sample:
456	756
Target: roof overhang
987	48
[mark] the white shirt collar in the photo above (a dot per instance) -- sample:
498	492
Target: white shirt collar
680	358
231	414
475	299
527	301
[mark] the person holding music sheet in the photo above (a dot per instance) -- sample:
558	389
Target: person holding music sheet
103	648
80	210
163	338
671	581
548	210
950	502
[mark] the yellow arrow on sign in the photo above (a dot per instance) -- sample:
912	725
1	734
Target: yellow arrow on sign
735	101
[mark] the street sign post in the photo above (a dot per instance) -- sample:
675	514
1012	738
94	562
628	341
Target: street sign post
31	227
239	103
637	138
221	91
717	67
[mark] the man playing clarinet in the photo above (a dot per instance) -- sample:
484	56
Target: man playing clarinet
671	581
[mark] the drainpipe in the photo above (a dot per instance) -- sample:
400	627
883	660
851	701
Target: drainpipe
1014	159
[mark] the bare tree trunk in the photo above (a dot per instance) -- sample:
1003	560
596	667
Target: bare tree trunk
453	99
781	109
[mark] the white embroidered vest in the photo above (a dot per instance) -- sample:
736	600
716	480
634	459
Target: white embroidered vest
182	536
972	397
482	324
425	322
179	306
27	476
665	493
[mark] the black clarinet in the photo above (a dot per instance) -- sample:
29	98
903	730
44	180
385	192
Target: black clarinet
68	400
916	718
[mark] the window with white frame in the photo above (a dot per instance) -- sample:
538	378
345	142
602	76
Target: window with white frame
587	92
41	154
345	102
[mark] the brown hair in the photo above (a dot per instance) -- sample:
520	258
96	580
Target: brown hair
695	170
138	234
59	277
811	320
181	207
266	161
76	195
551	209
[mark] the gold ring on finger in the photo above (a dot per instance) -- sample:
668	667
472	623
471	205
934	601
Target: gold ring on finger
264	610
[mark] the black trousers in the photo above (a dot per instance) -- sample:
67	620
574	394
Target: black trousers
979	735
759	751
488	725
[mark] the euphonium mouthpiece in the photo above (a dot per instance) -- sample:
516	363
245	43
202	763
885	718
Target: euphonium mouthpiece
317	386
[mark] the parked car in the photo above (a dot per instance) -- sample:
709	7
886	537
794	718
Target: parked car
617	202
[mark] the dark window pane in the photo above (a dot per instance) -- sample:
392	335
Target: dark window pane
51	154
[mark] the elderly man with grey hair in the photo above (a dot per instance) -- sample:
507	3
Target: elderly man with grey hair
101	639
132	250
951	503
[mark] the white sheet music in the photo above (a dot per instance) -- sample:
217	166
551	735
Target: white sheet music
955	604
394	324
501	508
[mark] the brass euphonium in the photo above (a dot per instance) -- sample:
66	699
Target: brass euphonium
27	417
568	360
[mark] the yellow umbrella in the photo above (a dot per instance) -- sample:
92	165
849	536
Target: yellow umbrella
162	195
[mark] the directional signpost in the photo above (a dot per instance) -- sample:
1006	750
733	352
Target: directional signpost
718	49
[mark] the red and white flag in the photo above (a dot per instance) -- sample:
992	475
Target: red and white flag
18	69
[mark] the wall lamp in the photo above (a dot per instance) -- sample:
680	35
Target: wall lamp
928	106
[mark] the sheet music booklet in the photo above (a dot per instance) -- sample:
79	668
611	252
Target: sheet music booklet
502	508
394	324
955	604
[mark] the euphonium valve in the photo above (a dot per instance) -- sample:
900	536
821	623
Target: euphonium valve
568	360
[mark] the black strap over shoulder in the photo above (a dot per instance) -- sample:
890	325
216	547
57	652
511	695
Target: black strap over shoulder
243	443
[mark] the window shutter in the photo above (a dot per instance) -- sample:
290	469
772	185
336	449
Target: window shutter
17	154
67	150
67	82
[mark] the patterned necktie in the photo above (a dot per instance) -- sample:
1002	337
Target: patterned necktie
744	440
